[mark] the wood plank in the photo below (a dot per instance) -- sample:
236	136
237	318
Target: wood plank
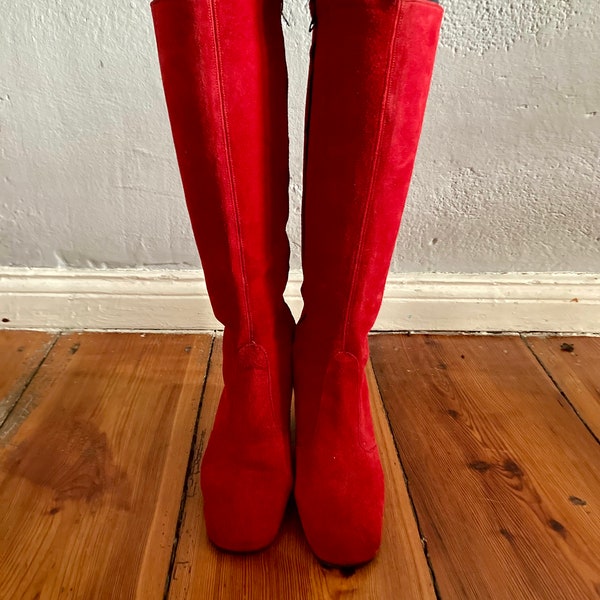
91	483
288	569
504	476
21	352
573	363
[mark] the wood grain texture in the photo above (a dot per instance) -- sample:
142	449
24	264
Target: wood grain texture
505	478
21	352
288	569
574	365
90	483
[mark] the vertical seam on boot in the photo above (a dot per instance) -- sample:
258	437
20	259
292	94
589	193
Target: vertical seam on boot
274	414
232	182
314	434
370	193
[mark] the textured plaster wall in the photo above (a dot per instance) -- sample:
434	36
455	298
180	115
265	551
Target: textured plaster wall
507	177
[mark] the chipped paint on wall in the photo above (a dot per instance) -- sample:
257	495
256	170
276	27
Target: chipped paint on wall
477	26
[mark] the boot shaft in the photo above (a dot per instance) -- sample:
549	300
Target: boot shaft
370	75
225	82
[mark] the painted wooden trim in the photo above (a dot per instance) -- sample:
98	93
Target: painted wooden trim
177	300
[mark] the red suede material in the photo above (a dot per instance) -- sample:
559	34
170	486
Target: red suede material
225	82
371	67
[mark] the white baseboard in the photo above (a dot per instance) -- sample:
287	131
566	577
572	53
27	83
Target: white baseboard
120	299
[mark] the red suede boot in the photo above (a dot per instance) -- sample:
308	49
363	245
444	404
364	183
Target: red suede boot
370	72
225	82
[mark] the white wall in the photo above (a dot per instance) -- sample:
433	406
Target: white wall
507	176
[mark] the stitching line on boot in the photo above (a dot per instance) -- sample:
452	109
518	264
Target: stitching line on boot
232	181
367	212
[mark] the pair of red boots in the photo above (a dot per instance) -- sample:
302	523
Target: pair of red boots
225	80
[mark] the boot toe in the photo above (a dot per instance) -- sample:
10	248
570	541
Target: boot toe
244	514
342	514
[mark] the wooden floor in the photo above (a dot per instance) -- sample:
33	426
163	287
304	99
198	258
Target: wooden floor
490	447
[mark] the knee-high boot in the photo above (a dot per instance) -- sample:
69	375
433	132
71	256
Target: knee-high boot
371	66
225	82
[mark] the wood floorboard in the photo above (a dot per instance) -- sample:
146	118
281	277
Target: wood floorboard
288	569
96	452
504	476
574	365
21	353
91	481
